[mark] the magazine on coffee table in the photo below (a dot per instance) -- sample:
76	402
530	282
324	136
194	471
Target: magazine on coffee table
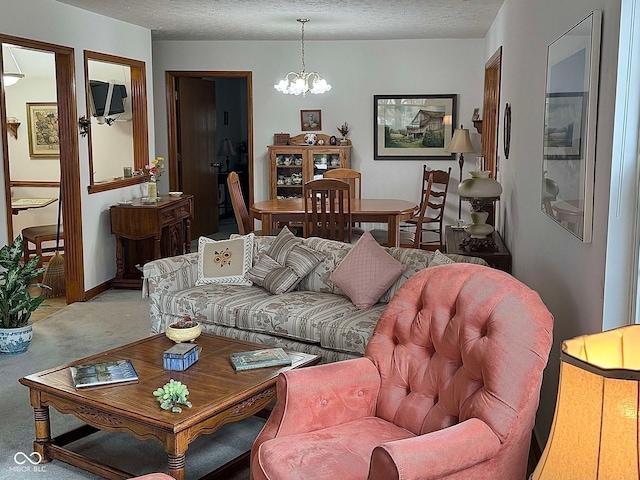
104	373
270	357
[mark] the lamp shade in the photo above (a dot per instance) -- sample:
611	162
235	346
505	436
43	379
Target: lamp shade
479	186
226	148
460	142
595	428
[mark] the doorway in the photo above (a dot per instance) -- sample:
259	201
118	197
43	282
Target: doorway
210	123
491	109
68	183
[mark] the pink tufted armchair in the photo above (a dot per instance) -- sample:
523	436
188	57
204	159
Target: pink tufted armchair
448	388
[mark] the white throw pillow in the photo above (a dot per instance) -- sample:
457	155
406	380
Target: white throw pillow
225	261
440	258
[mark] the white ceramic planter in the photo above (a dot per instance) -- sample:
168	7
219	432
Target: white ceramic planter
180	335
15	340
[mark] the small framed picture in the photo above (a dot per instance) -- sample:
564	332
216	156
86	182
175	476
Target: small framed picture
311	120
42	121
476	115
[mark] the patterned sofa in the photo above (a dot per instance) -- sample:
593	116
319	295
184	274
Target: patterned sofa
317	317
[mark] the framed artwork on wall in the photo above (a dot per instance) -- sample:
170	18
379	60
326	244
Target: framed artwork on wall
413	127
569	142
311	120
564	125
42	119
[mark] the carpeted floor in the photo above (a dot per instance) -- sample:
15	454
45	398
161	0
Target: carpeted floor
111	319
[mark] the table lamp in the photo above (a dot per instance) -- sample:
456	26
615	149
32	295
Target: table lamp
594	434
460	143
480	191
226	149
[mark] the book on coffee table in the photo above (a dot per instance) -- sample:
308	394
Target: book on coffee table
104	373
270	357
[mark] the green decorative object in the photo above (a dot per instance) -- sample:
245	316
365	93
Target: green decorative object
16	302
171	395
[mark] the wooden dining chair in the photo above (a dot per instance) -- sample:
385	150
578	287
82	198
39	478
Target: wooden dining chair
435	198
409	239
353	177
327	209
245	224
243	219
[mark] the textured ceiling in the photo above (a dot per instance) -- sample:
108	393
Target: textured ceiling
276	19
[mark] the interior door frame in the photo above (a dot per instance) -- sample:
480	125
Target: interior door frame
70	193
491	110
171	77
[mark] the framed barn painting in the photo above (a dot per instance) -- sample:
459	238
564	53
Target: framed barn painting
413	127
42	119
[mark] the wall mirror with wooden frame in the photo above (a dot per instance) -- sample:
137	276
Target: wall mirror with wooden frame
116	90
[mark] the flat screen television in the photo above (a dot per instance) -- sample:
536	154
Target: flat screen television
99	94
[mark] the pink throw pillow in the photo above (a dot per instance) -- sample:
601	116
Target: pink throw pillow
366	272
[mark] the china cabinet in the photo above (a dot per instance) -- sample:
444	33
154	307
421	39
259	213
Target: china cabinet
291	166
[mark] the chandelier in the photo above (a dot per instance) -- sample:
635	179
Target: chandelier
302	82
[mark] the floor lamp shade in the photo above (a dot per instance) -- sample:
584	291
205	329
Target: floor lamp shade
595	428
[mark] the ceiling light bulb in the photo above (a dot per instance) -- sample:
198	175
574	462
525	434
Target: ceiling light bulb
302	82
11	78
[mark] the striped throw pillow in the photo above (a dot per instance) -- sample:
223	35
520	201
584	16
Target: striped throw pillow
277	278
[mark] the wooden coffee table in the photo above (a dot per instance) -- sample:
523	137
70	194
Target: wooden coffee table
218	393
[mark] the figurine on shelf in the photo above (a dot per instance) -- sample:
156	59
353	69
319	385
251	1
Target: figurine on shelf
344	131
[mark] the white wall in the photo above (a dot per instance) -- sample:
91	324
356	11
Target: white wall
56	23
568	274
358	70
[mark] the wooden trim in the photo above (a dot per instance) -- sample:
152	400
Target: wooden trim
139	113
70	176
170	93
123	182
98	289
33	183
490	109
69	159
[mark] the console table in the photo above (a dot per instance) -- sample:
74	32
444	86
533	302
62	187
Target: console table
500	258
148	231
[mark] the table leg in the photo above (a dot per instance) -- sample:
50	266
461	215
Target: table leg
177	465
393	231
43	432
157	251
187	232
266	224
119	257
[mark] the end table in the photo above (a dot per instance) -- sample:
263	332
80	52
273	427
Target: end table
500	258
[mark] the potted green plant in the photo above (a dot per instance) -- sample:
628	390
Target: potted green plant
16	301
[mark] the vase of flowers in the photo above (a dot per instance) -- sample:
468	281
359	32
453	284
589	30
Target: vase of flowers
344	130
154	171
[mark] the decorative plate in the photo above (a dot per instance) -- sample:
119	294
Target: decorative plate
310	139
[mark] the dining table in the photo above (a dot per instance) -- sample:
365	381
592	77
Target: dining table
370	210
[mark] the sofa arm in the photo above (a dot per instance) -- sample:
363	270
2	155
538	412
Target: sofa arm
170	274
435	455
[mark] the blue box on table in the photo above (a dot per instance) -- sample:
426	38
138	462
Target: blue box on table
181	356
